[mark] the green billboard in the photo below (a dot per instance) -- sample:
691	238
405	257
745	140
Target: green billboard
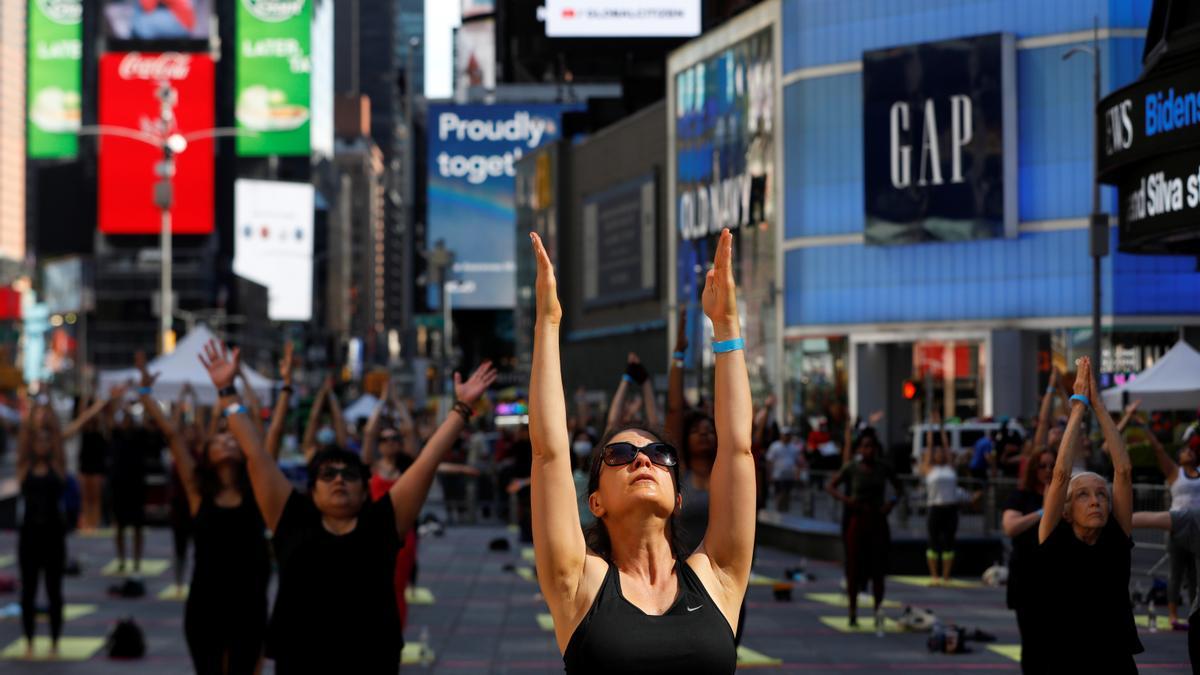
55	46
273	72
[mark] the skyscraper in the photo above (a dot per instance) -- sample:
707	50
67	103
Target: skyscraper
12	130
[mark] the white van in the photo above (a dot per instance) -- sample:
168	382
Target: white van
962	437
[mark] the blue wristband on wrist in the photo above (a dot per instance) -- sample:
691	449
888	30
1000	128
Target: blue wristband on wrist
726	346
629	378
1082	399
1049	390
234	409
678	356
1041	512
145	391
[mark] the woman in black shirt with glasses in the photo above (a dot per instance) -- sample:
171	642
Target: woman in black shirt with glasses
627	598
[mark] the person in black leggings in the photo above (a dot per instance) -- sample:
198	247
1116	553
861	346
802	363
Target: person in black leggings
628	597
41	542
225	618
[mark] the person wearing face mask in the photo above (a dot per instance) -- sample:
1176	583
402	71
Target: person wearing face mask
1085	551
225	618
336	611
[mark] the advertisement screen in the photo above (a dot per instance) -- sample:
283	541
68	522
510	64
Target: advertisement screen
473	152
64	285
472	8
130	90
475	56
274	68
725	177
622	18
619	234
939	141
273	243
55	47
157	20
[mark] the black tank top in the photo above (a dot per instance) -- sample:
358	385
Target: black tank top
43	502
617	637
232	561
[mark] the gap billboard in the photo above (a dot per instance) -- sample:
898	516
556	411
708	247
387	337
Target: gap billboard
473	155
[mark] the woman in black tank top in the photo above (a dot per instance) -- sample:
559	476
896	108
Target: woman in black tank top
628	597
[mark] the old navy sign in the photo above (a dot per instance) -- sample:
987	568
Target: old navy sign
933	114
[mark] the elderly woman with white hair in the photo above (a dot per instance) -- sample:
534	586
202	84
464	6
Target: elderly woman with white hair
1085	551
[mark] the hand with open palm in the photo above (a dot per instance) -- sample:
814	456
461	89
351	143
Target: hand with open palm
720	292
548	307
139	362
470	391
286	364
221	362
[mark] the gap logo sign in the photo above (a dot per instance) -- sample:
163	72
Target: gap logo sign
939	141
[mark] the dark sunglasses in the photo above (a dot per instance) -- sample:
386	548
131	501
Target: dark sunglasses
620	454
389	437
329	474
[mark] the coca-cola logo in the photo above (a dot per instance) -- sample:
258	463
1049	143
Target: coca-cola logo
165	66
66	12
274	11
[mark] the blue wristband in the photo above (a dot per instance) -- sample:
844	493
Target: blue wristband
1082	399
1041	512
234	409
1049	390
145	391
679	356
629	378
728	346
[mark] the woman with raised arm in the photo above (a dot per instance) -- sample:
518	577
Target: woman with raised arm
941	498
42	537
181	512
628	598
1084	552
282	402
225	618
624	404
336	607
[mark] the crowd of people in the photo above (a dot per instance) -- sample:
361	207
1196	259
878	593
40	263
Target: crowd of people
642	523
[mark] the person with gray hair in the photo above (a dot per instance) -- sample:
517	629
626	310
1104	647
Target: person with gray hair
1085	549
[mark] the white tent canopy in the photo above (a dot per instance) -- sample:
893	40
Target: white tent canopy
1172	383
181	367
360	409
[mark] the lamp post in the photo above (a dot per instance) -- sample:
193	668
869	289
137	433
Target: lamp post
171	142
1098	221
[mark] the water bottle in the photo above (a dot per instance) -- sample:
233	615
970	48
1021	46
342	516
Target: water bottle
426	652
879	622
1150	617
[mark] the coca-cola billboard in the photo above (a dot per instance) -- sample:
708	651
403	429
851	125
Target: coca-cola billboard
132	85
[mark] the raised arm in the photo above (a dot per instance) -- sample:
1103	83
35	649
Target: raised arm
676	404
91	411
184	463
338	421
271	487
729	539
651	405
253	404
1122	497
408	493
559	548
616	410
927	455
1056	492
371	431
308	445
1046	412
282	402
1130	411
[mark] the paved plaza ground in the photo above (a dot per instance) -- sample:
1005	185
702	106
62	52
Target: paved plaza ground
486	617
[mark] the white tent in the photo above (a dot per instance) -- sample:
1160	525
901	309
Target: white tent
360	409
181	367
1172	383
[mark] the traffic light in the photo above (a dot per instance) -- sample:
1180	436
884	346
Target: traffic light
912	390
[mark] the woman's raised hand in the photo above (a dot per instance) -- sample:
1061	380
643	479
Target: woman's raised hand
469	392
1083	376
548	308
221	363
286	364
139	362
720	292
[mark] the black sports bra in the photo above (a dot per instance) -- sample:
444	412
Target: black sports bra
693	636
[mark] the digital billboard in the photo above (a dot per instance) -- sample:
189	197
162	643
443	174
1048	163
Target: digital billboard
274	73
622	18
157	20
273	243
473	152
54	106
619	242
129	99
474	56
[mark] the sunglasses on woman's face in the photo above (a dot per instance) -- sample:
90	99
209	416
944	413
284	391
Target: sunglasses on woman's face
620	454
328	474
384	438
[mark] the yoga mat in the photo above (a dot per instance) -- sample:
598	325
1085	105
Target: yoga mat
151	567
1008	651
1143	621
69	649
545	622
527	554
840	600
748	658
173	592
760	580
866	624
527	574
925	582
418	595
413	651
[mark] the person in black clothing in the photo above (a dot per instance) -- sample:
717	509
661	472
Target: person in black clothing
93	465
627	597
225	617
1022	513
336	549
41	542
1084	553
132	443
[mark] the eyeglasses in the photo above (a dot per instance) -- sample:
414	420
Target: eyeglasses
620	454
384	438
328	474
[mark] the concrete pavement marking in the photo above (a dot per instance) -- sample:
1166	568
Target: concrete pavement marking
748	658
1143	621
527	574
926	582
416	653
418	595
150	567
173	592
545	622
69	649
866	624
1009	651
840	600
527	553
